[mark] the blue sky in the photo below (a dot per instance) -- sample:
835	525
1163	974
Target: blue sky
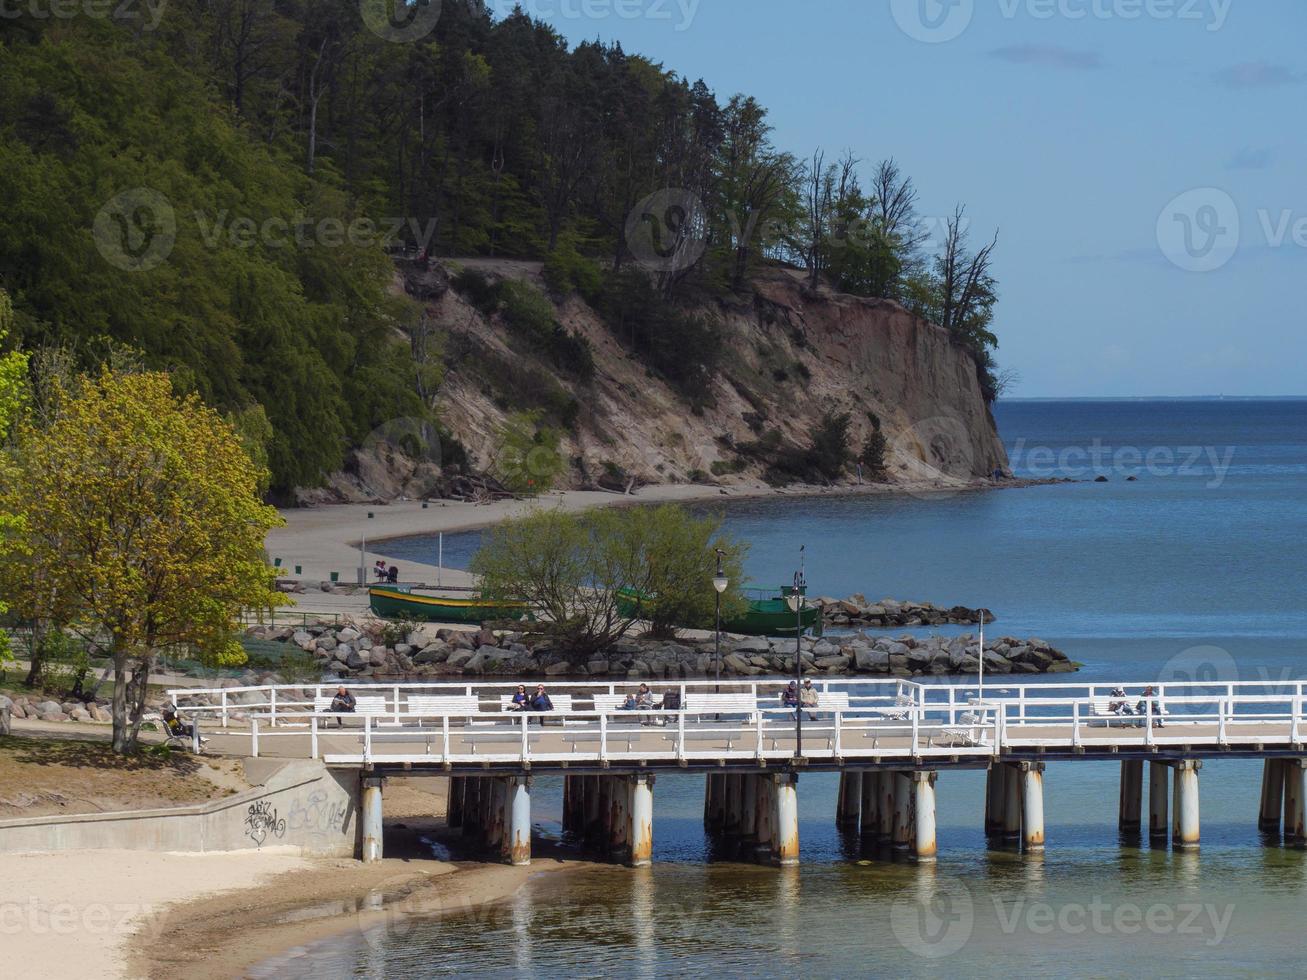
1078	128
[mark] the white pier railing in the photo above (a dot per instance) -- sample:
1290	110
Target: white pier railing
855	721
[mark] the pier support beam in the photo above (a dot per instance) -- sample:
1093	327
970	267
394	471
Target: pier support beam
516	845
640	827
1274	773
1294	780
1186	833
714	800
454	803
496	816
749	807
765	815
885	823
902	838
1130	806
869	818
592	812
995	797
1011	802
471	805
924	847
785	838
1157	799
619	818
371	820
849	802
733	818
1032	806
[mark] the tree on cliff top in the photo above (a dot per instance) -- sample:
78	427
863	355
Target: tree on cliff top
142	511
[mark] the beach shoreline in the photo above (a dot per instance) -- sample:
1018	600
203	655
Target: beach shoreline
341	538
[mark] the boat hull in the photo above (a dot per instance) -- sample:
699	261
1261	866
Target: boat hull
394	604
764	617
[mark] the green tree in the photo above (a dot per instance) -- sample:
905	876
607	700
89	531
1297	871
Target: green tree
527	460
142	510
872	456
570	568
13	395
829	452
680	551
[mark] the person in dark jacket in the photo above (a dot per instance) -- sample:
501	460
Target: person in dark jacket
521	700
540	700
343	703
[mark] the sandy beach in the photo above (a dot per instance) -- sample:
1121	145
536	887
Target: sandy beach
75	913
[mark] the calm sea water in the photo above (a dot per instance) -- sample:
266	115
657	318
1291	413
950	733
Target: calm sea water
1194	569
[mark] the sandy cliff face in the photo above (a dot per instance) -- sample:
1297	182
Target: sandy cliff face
791	356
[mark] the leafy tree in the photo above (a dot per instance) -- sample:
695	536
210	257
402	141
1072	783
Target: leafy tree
680	551
13	387
141	508
872	456
570	568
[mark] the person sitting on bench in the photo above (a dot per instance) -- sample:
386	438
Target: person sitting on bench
176	727
1120	706
521	700
343	703
808	697
644	700
540	701
1142	707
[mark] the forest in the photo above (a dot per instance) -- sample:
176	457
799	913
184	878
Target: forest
220	188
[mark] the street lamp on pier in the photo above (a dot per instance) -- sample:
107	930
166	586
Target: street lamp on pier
719	582
796	601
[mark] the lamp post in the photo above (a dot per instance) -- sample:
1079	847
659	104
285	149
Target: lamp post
796	601
719	582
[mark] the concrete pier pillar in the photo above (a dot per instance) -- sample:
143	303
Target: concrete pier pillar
1032	806
733	816
765	814
1294	780
1130	804
496	816
1158	773
749	807
619	820
902	838
785	841
924	846
1274	773
471	805
995	789
640	814
1011	802
454	802
885	824
848	804
1186	835
516	845
869	817
371	820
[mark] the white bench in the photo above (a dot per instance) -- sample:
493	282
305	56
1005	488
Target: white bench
722	704
443	704
562	705
902	704
363	705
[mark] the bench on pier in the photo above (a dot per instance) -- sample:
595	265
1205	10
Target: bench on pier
903	704
443	704
1101	707
562	705
363	705
722	704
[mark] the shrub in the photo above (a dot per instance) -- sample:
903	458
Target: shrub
829	453
530	316
566	269
872	456
477	289
528	460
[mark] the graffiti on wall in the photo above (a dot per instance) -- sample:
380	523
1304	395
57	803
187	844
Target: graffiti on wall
262	822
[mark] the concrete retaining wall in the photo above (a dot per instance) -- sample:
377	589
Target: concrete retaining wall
301	805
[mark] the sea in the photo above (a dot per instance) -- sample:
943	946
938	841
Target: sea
1178	551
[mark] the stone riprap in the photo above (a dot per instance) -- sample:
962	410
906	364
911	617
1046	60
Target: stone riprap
856	611
429	651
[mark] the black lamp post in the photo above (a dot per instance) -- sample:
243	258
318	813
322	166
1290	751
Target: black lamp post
719	583
796	600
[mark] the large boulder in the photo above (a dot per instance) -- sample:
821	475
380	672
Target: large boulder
433	653
355	662
347	634
303	639
752	644
871	659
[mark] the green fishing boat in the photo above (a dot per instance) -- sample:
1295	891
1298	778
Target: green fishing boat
768	613
400	602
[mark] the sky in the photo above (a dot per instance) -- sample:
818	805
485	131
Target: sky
1142	160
